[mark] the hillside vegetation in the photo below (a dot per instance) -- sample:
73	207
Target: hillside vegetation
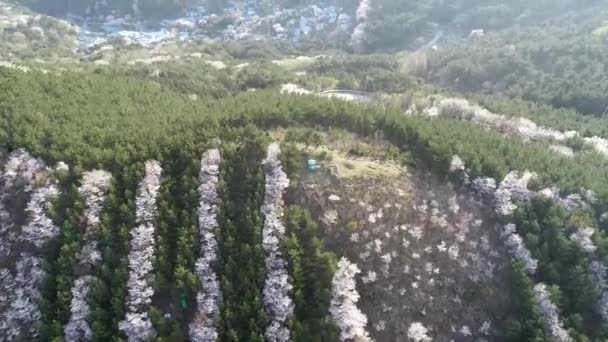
211	191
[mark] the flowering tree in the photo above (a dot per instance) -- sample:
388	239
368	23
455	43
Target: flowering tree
20	291
583	238
484	187
518	249
551	314
137	325
276	289
514	187
40	228
94	188
359	35
418	333
78	328
208	299
343	309
458	167
598	272
20	298
524	128
21	166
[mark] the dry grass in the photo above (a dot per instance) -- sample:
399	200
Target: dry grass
347	167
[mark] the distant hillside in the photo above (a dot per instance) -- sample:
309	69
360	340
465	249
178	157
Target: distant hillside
155	8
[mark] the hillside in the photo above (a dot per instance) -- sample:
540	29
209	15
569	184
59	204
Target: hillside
283	187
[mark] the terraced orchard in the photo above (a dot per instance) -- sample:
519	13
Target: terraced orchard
129	212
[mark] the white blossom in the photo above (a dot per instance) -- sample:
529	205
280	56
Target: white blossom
486	328
370	277
453	252
418	333
583	237
457	164
524	128
458	167
484	187
78	328
598	273
377	243
359	35
333	198
94	188
276	289
208	299
465	330
62	166
21	169
551	314
563	150
386	258
572	202
514	187
20	290
602	305
454	207
343	308
20	297
363	10
416	233
21	165
137	325
330	217
600	145
517	248
40	228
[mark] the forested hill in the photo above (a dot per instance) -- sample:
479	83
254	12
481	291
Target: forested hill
196	181
151	212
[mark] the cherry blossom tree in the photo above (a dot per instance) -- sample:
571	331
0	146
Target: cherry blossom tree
78	328
524	128
21	289
343	308
359	34
598	272
484	187
518	249
137	325
418	333
276	289
208	299
21	169
93	191
583	238
551	314
21	296
514	187
40	228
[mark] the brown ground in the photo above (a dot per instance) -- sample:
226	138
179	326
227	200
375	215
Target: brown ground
435	253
